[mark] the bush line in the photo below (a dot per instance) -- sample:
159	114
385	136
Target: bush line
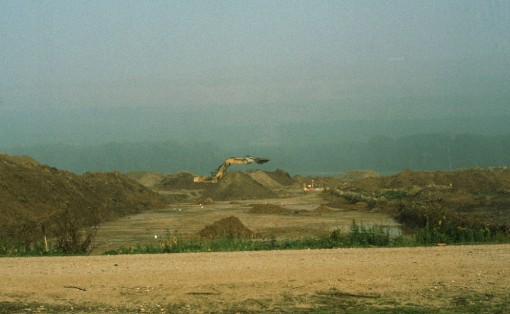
358	235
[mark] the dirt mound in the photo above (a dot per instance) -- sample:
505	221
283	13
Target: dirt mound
357	175
32	194
230	227
281	177
472	180
269	209
324	209
469	199
179	181
148	179
337	202
118	195
264	179
237	186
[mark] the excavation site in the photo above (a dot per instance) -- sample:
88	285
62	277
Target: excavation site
252	241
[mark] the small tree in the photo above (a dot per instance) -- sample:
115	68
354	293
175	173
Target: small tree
73	234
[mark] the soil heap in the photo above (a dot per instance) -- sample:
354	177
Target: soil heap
281	177
148	179
263	178
31	194
357	175
230	227
471	180
467	200
324	209
237	186
179	181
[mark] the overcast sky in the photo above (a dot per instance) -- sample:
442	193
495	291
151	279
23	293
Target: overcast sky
344	59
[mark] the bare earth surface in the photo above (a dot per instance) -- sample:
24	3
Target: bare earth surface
187	219
269	281
441	279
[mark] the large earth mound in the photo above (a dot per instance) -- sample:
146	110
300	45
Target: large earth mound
357	175
236	186
178	181
263	178
471	180
148	179
32	194
230	227
281	177
467	200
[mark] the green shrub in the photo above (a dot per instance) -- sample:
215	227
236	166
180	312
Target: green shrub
374	235
394	195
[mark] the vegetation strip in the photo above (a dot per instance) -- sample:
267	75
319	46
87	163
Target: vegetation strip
358	236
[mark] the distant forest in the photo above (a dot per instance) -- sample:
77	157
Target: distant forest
439	151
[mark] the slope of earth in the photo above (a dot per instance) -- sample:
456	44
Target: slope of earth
31	194
182	180
237	186
468	198
280	176
148	179
265	179
471	180
357	175
452	279
230	227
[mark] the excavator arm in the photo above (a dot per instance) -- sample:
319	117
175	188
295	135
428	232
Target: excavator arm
216	175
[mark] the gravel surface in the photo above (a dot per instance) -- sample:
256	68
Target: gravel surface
257	281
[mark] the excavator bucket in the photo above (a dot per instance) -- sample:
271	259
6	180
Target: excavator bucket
216	176
261	160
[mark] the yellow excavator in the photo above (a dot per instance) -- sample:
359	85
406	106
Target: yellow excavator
216	175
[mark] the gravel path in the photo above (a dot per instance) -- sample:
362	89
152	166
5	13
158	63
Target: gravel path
258	281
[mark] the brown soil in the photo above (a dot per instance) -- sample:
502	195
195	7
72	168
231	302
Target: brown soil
261	282
481	196
230	227
148	179
265	179
471	180
285	218
280	176
183	180
33	192
357	175
269	209
324	209
253	281
237	186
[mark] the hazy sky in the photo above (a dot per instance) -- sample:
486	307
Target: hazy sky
324	59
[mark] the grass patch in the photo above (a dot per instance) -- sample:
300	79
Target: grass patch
358	236
395	195
317	304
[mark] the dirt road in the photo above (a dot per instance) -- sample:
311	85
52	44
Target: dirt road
272	281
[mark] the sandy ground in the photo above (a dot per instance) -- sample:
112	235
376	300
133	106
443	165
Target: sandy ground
258	281
187	219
